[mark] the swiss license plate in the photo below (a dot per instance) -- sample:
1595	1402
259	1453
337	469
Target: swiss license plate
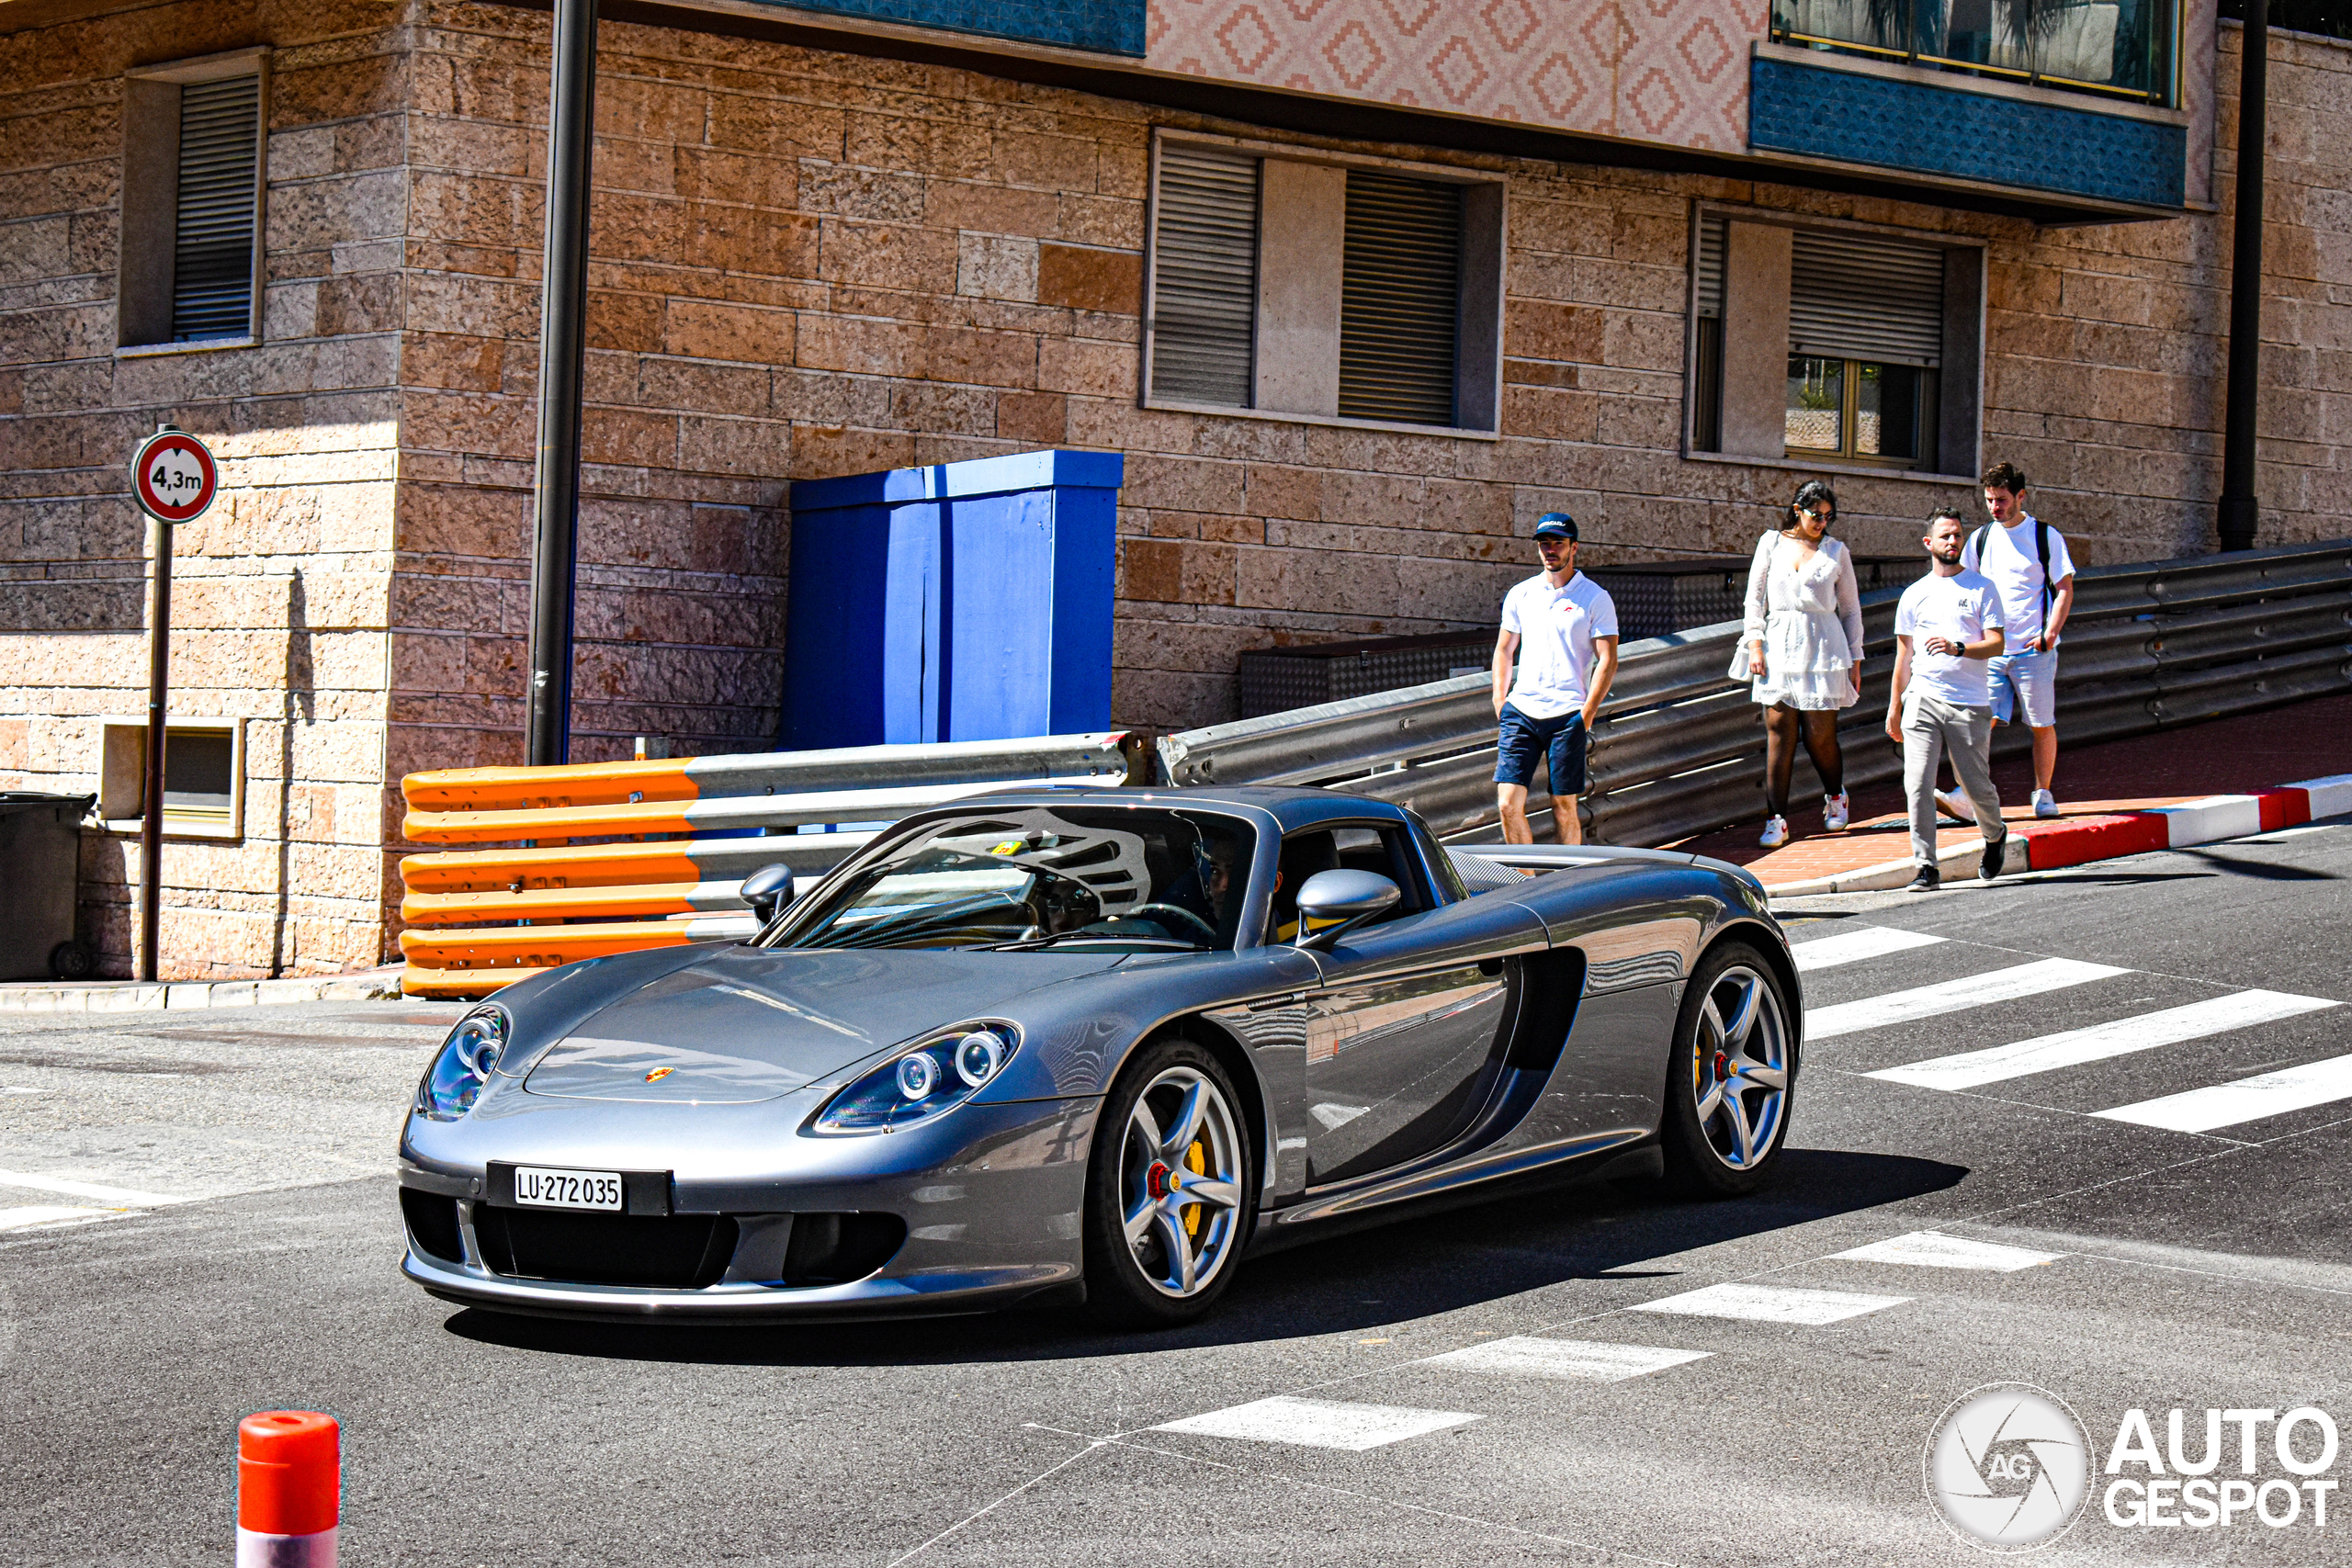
538	1188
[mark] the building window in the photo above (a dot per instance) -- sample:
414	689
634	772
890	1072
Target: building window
204	773
1339	289
1400	291
2125	49
193	140
1839	346
1206	276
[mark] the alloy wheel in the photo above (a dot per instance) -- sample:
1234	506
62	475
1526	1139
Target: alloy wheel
1180	1182
1740	1068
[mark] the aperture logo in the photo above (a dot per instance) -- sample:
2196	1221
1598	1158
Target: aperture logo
2008	1466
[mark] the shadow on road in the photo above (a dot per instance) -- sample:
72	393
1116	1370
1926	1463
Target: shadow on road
1408	1269
2265	871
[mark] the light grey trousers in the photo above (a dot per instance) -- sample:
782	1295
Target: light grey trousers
1931	727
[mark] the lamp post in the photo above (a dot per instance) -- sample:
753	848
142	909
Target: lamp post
2239	507
563	304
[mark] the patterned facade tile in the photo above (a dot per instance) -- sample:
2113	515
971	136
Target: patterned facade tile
1549	62
1855	118
1679	77
1111	27
2198	45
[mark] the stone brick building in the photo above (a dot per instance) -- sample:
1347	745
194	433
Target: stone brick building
826	242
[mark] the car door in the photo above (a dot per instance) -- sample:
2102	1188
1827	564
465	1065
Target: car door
1404	1032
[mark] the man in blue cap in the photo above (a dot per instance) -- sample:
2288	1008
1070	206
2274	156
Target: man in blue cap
1561	626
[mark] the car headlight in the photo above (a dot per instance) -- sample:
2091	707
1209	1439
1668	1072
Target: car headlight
932	1076
463	1066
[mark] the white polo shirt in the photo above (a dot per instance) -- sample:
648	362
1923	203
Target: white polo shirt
1556	628
2013	561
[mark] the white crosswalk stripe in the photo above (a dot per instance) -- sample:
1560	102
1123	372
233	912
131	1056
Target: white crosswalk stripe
1953	996
2247	1099
1771	1303
1319	1423
1850	947
1579	1360
1854	946
42	1216
1932	1249
123	1197
2117	1037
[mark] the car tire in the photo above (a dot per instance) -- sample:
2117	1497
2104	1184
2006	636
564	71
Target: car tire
1731	1077
1154	1261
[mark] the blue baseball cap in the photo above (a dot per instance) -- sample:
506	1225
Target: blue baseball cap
1556	526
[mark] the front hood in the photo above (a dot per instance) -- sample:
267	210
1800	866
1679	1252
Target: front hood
749	1023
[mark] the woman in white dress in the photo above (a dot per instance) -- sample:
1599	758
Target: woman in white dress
1802	653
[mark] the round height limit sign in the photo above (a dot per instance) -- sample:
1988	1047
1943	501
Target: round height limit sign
174	477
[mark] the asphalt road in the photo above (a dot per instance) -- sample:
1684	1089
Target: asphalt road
2186	1268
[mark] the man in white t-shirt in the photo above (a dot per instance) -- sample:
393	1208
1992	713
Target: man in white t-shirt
2028	562
1947	626
1562	627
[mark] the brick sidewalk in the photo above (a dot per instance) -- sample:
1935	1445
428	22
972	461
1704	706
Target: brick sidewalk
2225	756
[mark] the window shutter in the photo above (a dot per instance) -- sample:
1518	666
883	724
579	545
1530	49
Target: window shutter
1204	276
212	254
1711	268
1857	296
1399	299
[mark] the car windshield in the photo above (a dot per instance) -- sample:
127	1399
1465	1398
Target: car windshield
1121	879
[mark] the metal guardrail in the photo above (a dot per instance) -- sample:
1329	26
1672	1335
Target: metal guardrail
563	864
1679	749
610	857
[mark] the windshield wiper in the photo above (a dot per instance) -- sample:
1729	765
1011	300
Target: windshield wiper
1030	944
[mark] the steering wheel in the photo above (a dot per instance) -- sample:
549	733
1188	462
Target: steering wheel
1207	931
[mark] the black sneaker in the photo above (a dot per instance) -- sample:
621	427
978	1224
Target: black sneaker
1990	867
1927	881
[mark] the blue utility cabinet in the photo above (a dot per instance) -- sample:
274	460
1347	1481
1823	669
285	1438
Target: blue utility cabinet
958	602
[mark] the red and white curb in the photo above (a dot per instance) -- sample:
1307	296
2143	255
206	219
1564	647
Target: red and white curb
2212	819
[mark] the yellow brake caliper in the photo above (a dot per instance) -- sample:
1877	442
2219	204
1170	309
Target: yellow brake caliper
1196	1161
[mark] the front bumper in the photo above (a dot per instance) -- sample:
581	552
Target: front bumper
990	1197
966	1291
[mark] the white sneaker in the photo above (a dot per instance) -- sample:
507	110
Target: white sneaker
1956	806
1776	832
2044	803
1834	812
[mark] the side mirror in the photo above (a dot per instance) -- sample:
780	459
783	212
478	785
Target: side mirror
767	890
1348	898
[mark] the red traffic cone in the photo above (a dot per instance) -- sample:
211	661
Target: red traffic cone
289	1483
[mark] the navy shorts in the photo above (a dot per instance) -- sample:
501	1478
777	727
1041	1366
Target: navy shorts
1521	739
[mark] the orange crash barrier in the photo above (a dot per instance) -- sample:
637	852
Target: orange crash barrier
523	896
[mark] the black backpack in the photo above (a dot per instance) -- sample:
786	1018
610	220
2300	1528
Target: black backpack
2041	545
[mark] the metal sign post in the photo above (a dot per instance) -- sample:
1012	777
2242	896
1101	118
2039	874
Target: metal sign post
174	479
2241	508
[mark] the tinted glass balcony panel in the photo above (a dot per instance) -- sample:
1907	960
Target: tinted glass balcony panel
2119	46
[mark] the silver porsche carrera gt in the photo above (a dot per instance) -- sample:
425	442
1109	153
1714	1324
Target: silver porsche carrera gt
1094	1045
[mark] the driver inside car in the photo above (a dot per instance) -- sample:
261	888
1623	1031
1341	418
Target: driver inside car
1214	885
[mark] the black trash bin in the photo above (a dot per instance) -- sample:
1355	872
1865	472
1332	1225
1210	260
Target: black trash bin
40	858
